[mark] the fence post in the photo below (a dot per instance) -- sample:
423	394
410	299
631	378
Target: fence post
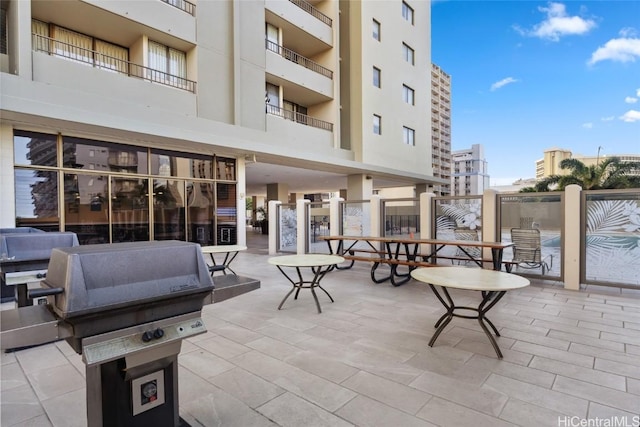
376	215
490	227
427	218
274	227
334	220
302	229
571	240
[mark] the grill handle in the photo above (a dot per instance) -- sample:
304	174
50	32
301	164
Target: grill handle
38	293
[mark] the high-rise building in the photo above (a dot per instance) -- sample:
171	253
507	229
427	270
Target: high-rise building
138	120
441	128
549	164
470	173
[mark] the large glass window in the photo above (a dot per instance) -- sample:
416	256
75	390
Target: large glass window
172	163
86	207
37	199
35	149
226	214
79	153
168	209
130	207
226	169
200	215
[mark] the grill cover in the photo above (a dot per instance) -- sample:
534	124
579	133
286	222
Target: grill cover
29	246
111	277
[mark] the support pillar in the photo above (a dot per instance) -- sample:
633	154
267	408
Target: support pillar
571	241
359	187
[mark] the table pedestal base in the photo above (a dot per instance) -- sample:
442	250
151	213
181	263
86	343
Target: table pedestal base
318	274
489	299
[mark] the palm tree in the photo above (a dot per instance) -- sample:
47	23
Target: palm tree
611	173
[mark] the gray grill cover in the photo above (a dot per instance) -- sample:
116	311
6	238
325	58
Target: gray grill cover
28	246
99	278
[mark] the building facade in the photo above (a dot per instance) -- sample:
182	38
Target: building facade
441	128
470	173
550	162
132	120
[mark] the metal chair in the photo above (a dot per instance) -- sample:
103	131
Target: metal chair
527	249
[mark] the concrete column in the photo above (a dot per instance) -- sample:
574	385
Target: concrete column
334	219
7	184
277	191
302	232
273	226
571	241
377	217
241	203
359	187
421	188
426	219
490	226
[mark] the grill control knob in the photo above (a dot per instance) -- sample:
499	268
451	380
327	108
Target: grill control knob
158	333
147	336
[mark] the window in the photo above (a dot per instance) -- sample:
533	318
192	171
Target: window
170	64
377	77
79	47
407	13
377	124
408	54
376	30
408	95
408	136
3	29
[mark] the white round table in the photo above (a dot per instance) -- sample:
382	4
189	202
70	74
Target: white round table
493	285
320	265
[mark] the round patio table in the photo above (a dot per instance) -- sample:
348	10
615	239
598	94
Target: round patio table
491	283
320	265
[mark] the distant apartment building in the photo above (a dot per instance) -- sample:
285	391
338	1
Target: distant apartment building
470	173
441	128
132	120
550	162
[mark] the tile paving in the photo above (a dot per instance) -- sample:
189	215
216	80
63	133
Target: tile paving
364	361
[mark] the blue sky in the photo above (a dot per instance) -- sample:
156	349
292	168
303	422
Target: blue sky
527	76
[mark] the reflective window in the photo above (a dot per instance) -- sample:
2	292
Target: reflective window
407	13
377	124
226	169
168	209
200	217
226	214
172	163
408	136
130	207
376	30
86	207
79	153
37	199
33	148
377	77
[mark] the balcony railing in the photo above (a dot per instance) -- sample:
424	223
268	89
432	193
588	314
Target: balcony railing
298	59
312	11
299	118
183	5
108	63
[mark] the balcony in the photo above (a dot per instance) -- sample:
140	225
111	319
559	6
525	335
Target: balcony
294	57
307	7
110	64
299	118
183	5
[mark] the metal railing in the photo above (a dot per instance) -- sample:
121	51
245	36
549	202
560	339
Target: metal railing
299	118
298	59
312	11
183	5
108	63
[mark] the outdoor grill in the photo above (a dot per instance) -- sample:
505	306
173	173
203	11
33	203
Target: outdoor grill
126	308
24	257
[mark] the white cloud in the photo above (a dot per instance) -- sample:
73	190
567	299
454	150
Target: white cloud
607	119
630	100
638	92
631	116
622	50
558	24
587	125
503	82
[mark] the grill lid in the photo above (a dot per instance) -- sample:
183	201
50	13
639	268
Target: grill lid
28	246
104	277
